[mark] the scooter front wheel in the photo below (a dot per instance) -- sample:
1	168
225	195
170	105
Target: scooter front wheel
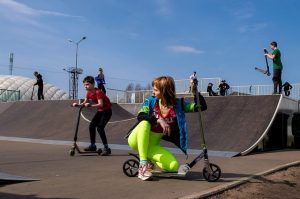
213	175
72	152
131	167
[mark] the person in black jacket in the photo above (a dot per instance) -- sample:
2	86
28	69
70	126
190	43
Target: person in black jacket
287	88
40	84
223	88
210	90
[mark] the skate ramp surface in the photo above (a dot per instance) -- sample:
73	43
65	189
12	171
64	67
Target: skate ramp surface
235	124
56	120
232	125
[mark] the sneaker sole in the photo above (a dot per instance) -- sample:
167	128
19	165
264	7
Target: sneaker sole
145	178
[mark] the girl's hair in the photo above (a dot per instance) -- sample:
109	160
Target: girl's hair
166	86
89	79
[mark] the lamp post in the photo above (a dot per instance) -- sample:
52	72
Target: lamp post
76	71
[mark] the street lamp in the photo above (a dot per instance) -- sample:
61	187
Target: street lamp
76	71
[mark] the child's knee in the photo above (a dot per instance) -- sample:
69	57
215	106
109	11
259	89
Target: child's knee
132	141
174	165
141	128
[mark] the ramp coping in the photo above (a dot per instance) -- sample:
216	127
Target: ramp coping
245	152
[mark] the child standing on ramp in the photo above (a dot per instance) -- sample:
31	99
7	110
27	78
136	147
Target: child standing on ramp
162	116
277	67
101	118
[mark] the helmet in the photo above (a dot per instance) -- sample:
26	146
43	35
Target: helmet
35	73
100	69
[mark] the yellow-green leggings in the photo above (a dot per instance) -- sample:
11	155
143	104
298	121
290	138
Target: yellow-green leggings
146	143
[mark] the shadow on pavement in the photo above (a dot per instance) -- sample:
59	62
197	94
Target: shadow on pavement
16	196
197	176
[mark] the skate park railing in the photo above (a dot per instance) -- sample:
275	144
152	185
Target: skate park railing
182	88
138	96
263	90
9	95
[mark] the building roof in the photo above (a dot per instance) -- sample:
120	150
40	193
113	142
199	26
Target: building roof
27	91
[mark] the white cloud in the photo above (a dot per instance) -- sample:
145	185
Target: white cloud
164	8
22	9
246	12
184	49
252	28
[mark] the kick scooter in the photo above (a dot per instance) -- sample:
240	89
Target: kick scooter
75	147
211	172
267	72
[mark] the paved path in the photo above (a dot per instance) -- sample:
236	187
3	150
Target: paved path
64	177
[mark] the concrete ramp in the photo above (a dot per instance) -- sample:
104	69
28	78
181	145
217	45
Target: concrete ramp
8	178
236	124
233	125
55	120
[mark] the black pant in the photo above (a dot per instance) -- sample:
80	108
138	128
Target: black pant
277	80
40	93
99	121
101	87
287	92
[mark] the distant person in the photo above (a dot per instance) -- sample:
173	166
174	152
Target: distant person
193	77
277	67
100	80
202	101
223	88
287	88
210	90
101	118
40	84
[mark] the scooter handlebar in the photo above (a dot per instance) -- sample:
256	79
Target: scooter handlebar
80	105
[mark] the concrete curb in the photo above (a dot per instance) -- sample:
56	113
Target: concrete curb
222	188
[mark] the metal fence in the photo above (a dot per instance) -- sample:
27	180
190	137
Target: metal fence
182	86
9	95
263	90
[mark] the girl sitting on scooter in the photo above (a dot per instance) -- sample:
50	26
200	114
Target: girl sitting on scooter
162	116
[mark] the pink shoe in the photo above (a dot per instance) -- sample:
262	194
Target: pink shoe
145	172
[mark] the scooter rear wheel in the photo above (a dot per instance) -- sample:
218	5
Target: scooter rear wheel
131	167
212	176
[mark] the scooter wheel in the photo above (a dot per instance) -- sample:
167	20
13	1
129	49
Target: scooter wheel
212	176
99	151
131	167
72	152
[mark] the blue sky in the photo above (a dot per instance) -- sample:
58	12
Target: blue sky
136	40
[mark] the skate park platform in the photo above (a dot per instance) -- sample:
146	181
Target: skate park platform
233	125
35	138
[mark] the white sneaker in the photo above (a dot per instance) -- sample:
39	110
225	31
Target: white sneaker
145	172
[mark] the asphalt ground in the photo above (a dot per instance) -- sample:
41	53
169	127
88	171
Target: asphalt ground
92	176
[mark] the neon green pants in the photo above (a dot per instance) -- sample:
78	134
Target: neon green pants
147	144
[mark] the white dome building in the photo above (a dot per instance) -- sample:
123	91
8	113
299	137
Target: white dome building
10	83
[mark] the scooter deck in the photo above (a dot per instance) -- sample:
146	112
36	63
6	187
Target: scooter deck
266	72
166	174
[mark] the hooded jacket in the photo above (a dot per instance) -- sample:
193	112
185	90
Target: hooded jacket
181	106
